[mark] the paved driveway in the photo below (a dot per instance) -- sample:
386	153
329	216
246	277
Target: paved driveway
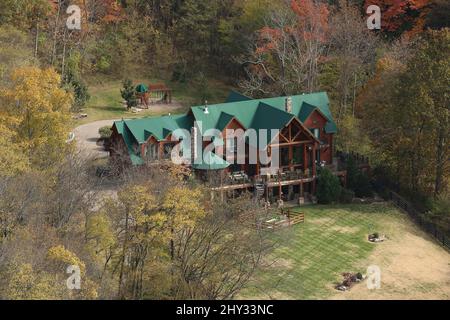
86	137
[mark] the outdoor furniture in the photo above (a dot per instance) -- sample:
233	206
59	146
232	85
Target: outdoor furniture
239	176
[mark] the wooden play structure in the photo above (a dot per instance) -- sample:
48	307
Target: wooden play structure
153	93
160	92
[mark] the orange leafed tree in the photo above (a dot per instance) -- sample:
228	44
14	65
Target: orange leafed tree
402	15
289	49
113	11
312	18
311	24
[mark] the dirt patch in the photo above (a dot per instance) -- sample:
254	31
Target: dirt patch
272	295
345	229
322	221
282	263
412	267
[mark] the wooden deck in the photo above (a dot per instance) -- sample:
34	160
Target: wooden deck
234	187
273	182
290	182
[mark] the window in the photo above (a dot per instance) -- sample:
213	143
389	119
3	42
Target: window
232	145
316	133
284	156
167	150
298	154
153	151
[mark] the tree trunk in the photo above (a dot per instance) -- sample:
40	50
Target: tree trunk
55	33
36	41
440	161
63	64
122	263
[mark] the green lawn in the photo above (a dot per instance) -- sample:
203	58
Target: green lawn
309	258
106	102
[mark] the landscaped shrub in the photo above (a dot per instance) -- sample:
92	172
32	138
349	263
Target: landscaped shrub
363	188
352	173
328	187
105	132
346	196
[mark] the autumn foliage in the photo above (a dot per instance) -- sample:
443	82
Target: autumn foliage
402	15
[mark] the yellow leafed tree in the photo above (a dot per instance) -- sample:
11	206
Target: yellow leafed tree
36	109
12	159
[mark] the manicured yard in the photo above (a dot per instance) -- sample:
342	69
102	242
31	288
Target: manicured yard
106	102
309	258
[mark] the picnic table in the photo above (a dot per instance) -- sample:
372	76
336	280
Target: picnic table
239	176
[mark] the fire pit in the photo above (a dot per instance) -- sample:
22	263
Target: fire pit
376	237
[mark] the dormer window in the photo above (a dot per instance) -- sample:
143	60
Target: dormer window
316	133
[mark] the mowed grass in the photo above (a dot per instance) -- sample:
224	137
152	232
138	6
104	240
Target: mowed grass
309	258
106	102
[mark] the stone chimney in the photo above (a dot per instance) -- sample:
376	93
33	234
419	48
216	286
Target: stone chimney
288	105
194	144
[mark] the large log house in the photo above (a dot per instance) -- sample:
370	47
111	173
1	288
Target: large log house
305	141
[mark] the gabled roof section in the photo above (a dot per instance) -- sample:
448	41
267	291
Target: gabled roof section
129	140
224	120
330	127
211	161
269	117
158	127
138	131
237	97
305	111
243	111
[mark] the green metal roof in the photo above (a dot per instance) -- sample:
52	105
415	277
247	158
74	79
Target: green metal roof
211	161
159	127
267	113
130	142
138	131
305	111
224	120
236	97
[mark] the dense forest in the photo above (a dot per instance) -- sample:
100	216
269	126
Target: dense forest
389	92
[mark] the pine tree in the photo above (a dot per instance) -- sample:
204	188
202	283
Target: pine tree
129	94
328	187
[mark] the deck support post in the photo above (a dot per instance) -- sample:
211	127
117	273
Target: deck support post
305	159
314	169
290	192
280	190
